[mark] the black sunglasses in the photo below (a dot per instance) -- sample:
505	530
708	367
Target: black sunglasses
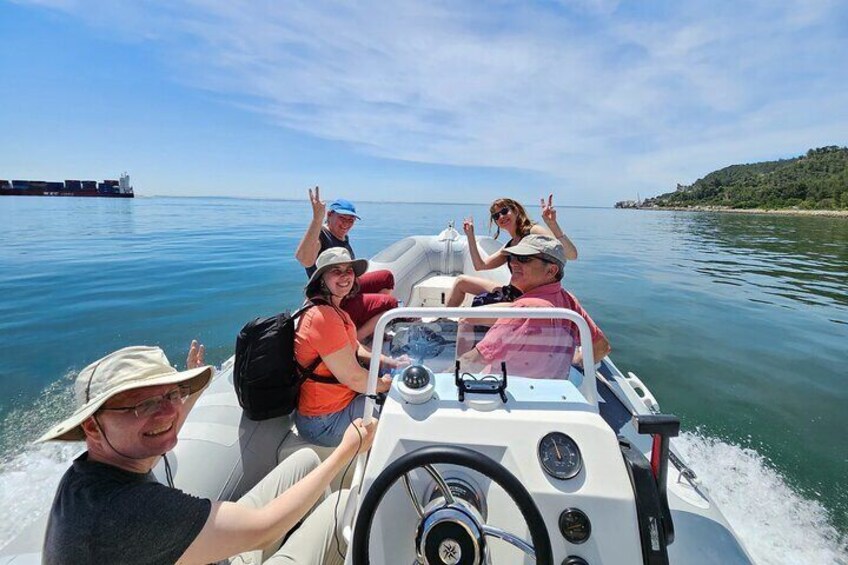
523	259
502	212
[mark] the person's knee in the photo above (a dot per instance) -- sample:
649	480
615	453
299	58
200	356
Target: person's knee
388	280
462	282
306	459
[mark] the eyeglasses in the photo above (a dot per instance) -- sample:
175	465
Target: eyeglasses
149	407
502	212
524	259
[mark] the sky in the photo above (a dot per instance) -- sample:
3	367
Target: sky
592	100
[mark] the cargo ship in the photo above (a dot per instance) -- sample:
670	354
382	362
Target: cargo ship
120	188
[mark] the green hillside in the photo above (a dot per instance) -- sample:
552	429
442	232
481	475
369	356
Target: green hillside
815	181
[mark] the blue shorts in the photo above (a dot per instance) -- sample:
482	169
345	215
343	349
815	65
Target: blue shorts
327	430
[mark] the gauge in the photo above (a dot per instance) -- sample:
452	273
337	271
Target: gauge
574	525
559	456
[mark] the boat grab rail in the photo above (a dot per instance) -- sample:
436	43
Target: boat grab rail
589	386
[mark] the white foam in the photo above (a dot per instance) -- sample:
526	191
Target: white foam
27	485
775	523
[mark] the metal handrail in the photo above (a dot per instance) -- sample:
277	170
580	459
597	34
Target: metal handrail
589	386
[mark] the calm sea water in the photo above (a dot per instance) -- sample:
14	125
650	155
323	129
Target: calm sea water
738	323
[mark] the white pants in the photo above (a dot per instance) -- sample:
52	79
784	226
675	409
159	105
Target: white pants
314	542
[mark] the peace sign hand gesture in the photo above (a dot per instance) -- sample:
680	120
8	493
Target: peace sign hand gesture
548	211
319	207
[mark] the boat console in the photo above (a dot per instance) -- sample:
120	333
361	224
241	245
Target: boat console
473	467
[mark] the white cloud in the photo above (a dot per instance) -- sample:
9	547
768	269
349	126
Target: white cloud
565	89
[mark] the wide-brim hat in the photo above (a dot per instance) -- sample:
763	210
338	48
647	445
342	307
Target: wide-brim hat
336	256
545	246
126	369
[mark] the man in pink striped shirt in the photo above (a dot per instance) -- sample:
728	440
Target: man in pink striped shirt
540	348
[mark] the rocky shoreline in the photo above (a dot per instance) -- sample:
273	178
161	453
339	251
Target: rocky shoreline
724	209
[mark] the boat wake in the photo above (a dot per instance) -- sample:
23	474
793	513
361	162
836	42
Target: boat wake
773	520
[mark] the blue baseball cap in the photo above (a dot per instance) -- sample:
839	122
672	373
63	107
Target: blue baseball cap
342	206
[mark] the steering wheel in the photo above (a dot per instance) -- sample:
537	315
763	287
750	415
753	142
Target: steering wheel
451	533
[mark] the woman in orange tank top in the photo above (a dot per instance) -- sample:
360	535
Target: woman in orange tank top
333	395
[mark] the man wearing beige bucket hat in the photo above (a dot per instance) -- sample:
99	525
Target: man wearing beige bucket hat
109	508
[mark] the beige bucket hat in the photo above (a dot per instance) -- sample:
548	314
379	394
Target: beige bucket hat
336	256
126	369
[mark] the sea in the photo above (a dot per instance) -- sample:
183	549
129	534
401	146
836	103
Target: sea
737	323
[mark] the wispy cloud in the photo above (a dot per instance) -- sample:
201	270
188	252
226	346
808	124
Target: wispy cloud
592	93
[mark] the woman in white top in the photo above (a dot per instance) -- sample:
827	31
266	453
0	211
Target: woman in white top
509	216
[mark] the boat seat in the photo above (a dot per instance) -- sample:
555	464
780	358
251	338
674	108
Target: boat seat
434	292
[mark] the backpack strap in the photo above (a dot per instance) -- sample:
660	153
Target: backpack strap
309	372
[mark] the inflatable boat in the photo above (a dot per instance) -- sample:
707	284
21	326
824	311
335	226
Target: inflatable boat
471	467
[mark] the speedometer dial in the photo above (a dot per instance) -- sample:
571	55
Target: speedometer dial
560	456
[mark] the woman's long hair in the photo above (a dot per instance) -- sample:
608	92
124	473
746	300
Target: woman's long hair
522	222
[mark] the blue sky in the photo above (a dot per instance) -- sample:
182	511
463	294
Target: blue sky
593	100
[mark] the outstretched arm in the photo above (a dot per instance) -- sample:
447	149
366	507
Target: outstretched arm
344	365
310	246
233	528
550	218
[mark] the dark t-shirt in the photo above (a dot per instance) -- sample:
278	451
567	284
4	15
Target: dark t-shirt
328	240
102	514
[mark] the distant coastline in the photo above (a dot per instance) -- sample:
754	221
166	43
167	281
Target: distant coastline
726	209
813	184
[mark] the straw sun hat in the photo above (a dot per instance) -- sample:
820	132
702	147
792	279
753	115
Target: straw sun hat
126	369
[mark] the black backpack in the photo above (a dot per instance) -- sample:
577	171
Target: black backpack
266	375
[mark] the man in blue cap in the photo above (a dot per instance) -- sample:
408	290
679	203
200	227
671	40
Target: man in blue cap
375	288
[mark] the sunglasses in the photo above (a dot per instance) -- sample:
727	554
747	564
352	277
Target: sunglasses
502	212
151	406
524	259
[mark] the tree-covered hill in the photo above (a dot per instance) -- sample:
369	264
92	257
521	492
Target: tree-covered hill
815	181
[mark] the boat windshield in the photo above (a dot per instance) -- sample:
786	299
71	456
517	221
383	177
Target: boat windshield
524	347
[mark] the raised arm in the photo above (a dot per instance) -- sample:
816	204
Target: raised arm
492	261
310	245
550	217
234	528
